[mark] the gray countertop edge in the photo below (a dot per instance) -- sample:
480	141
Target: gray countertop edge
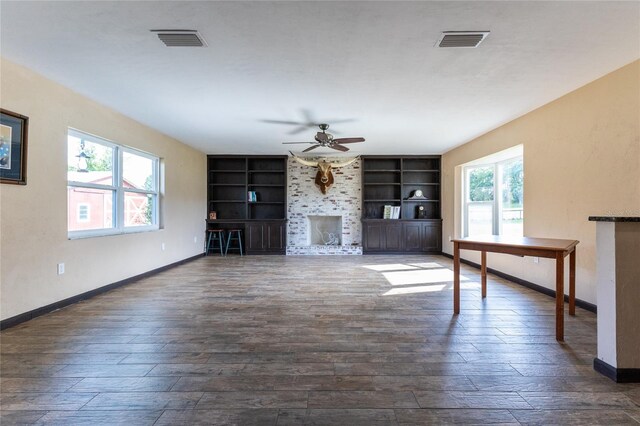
614	218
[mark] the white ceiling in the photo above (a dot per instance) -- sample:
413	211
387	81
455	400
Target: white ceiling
372	62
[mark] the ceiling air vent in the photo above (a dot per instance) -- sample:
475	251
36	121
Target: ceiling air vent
180	38
461	38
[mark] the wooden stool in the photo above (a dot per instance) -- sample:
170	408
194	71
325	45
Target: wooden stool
214	235
234	234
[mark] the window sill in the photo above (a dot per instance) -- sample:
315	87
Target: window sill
80	235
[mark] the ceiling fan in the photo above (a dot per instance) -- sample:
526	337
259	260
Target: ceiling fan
309	121
324	139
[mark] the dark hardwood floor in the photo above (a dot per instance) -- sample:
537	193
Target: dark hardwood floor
344	340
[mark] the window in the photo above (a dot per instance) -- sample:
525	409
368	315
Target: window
111	189
83	212
493	195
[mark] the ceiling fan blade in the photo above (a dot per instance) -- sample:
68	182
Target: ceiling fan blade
346	120
288	143
348	140
311	147
301	128
291	123
339	147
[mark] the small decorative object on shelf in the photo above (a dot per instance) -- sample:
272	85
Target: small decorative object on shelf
417	195
421	213
252	196
213	215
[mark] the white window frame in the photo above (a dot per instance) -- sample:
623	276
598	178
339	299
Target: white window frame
118	189
499	160
87	208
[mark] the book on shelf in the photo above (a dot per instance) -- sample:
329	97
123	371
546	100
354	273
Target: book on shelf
252	196
395	214
387	212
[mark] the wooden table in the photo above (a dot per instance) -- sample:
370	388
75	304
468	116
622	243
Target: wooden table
522	246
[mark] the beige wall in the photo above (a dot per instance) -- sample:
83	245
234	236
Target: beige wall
581	158
33	230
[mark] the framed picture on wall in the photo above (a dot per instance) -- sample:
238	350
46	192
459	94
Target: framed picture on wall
13	147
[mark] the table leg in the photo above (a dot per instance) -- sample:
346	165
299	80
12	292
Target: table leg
483	273
560	297
456	278
572	282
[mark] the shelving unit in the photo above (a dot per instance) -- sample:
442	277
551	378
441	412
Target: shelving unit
393	180
230	178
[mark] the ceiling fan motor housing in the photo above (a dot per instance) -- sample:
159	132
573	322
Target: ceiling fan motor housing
324	138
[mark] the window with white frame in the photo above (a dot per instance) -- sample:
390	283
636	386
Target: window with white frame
493	195
111	188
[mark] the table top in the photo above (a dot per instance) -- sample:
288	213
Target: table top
527	242
614	218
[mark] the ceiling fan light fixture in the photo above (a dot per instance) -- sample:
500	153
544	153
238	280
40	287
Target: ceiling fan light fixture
466	39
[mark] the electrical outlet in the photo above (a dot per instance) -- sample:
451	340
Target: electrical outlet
162	246
536	260
60	268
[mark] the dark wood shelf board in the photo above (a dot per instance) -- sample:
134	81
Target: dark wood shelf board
422	183
383	184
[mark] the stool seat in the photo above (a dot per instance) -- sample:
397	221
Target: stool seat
236	235
213	236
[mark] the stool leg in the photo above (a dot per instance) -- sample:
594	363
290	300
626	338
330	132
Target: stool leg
221	238
240	243
209	243
228	241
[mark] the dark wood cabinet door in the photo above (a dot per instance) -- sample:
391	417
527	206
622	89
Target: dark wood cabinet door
275	236
432	237
374	236
393	237
413	236
255	237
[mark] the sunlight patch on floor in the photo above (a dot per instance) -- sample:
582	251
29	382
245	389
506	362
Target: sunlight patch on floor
390	267
415	289
420	276
427	265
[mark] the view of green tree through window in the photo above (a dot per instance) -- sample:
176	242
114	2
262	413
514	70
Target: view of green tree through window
488	214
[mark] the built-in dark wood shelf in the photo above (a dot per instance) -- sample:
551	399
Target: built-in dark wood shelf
391	180
230	177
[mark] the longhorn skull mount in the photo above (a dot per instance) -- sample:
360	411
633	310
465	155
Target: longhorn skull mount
324	177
